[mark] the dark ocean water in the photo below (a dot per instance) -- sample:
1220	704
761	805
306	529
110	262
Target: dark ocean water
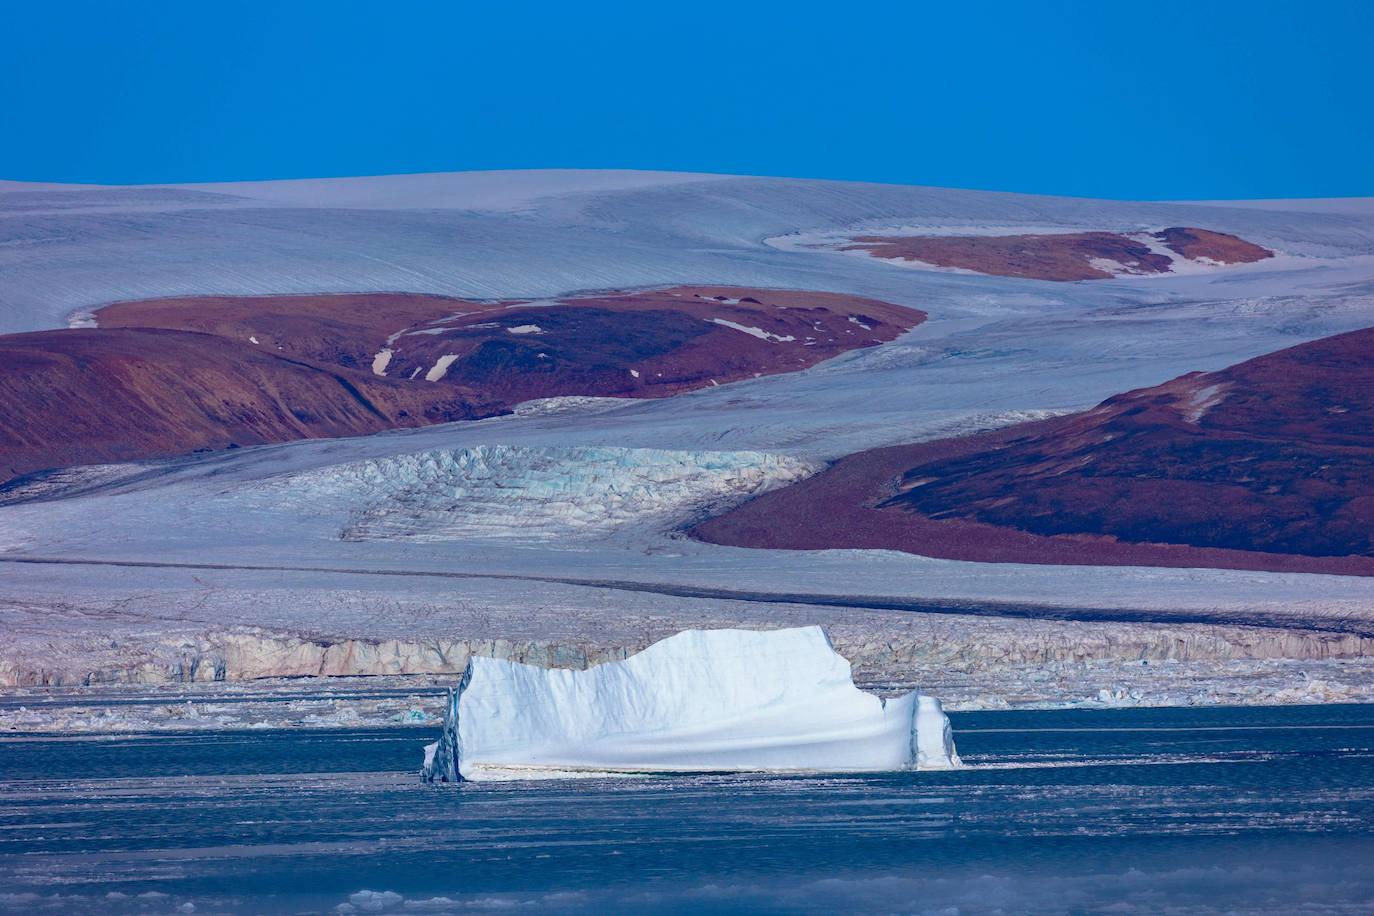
1130	811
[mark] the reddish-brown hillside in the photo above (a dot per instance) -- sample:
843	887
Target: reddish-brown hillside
339	330
89	396
169	376
1197	244
1266	465
644	344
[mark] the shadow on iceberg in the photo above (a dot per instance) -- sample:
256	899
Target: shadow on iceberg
699	701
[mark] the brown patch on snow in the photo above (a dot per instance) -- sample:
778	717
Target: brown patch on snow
1062	257
1197	244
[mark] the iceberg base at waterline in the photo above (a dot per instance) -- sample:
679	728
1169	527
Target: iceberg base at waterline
699	701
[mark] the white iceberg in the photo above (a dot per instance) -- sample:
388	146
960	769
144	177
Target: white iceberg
703	700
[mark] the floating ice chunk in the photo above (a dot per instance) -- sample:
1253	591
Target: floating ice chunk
703	700
525	329
375	901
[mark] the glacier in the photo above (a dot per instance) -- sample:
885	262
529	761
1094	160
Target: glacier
701	700
340	556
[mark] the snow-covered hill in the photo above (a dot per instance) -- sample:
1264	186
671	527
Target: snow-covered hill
994	351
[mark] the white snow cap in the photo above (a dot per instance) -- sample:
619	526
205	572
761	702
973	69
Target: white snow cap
703	700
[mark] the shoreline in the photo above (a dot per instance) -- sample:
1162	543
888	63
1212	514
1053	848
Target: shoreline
416	701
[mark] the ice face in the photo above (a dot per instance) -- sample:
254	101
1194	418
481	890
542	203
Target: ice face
498	491
699	701
932	736
441	757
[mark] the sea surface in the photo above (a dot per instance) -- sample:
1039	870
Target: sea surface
1122	811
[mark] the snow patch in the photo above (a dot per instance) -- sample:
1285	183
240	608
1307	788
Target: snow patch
1203	400
440	367
1115	268
525	329
380	360
760	333
569	404
252	339
82	318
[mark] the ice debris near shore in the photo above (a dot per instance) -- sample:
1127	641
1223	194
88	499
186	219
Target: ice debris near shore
702	700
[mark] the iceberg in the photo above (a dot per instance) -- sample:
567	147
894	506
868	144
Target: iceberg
702	700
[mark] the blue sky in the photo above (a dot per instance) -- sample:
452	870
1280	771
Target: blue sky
1146	100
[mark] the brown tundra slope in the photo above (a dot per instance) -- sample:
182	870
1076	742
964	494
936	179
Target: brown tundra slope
642	344
1268	464
92	396
164	377
1066	256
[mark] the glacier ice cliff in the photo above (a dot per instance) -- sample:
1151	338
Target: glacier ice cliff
505	492
702	700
